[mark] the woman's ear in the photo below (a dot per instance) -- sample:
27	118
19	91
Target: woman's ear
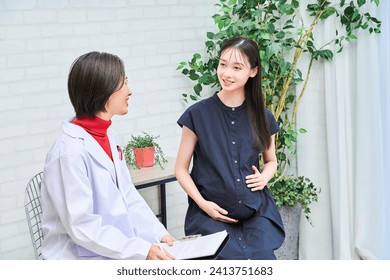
254	71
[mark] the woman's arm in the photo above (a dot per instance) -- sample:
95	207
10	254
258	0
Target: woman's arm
184	156
257	181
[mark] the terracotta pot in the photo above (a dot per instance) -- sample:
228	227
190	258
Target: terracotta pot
144	157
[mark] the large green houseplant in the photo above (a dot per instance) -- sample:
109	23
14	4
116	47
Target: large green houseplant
284	37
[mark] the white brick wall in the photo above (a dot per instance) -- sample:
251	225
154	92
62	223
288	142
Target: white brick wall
39	39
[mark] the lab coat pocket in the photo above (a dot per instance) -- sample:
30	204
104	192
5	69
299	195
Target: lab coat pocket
82	252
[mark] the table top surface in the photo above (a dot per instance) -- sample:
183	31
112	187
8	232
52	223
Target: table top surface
152	174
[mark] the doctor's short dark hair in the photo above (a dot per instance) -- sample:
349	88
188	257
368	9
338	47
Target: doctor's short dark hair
92	79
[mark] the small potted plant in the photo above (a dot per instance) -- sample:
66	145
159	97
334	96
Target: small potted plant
143	151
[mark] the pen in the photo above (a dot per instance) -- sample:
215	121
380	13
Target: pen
159	245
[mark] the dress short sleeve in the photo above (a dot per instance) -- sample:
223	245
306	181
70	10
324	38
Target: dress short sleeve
273	125
186	119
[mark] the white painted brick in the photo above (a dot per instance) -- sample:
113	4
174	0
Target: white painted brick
15	159
169	48
41	127
84	3
14	130
134	63
22	32
167	24
14	242
181	11
205	11
144	25
7	175
40	99
141	50
10	103
27	86
160	108
8	230
115	27
42	71
11	18
14	46
50	4
149	122
88	28
10	75
3	62
62	112
159	36
101	15
19	5
43	44
113	3
130	14
75	42
37	16
7	203
157	12
59	57
6	146
142	3
167	2
105	40
145	74
157	85
54	30
24	60
72	16
192	22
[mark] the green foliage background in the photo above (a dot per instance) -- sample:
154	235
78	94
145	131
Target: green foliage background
283	38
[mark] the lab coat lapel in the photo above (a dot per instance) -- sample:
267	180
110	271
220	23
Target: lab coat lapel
117	155
92	147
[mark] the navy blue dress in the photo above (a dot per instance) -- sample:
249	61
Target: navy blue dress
223	157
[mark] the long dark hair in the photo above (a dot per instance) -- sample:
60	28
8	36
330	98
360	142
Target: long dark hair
253	95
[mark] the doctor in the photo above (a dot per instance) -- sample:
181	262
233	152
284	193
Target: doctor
91	209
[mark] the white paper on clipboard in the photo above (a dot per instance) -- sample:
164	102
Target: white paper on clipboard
196	247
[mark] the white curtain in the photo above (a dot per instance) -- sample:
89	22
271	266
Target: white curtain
352	219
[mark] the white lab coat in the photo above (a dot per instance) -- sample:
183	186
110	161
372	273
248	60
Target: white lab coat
91	209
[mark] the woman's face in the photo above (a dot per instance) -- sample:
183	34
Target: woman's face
118	102
234	70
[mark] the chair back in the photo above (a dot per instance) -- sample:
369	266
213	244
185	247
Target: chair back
32	206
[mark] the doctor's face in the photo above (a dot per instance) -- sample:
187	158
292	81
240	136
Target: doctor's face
118	102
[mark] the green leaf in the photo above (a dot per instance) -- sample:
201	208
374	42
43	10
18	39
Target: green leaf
210	35
327	13
361	2
264	35
198	89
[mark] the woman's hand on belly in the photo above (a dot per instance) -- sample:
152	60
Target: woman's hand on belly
256	181
217	213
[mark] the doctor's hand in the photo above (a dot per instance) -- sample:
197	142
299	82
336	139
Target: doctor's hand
256	181
155	253
168	239
217	213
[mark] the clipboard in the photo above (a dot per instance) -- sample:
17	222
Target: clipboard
197	247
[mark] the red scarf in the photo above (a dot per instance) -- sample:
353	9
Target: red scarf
97	127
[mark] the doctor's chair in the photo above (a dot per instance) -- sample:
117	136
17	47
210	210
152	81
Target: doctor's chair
32	206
